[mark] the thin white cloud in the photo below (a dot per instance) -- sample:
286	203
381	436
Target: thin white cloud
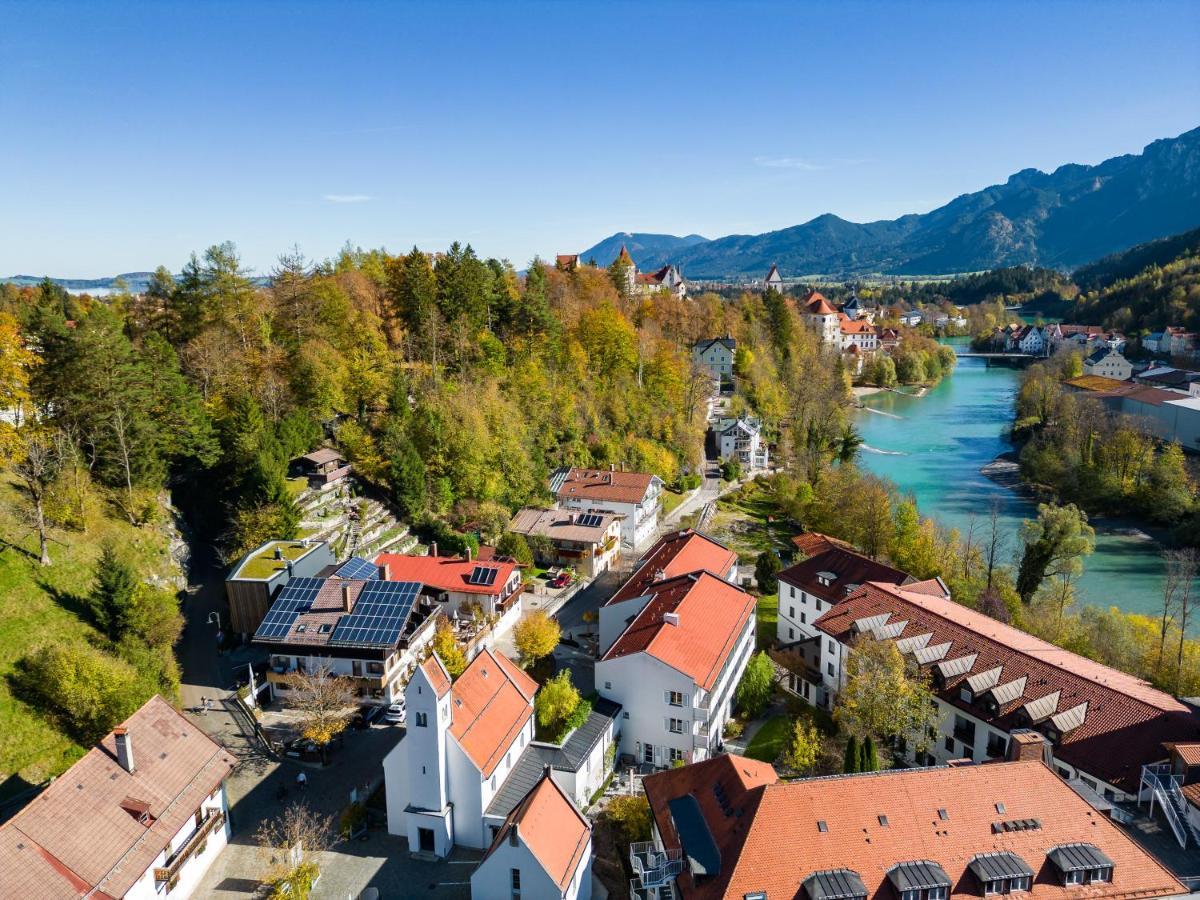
347	198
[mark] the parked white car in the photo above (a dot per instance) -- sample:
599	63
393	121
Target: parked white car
396	713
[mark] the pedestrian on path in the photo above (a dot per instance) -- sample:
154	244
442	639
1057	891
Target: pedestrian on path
301	781
204	706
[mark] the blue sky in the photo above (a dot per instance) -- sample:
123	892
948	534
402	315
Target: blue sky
136	133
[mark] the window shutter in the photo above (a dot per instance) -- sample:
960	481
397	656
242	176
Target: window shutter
666	696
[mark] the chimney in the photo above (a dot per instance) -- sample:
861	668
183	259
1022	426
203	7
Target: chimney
1025	744
347	599
659	574
279	553
124	748
612	467
433	549
671	618
385	572
291	569
470	553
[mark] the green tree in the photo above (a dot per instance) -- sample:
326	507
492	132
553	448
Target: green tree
113	594
851	759
409	479
766	571
556	701
630	816
515	545
757	684
804	747
85	689
868	757
882	698
1055	545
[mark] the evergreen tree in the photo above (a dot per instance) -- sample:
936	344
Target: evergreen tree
868	758
408	479
766	571
851	761
113	595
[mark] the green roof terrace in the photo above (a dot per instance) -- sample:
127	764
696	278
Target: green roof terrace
271	558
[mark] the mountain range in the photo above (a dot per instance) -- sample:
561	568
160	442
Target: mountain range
134	281
1061	219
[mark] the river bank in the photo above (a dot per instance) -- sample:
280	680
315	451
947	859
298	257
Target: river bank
937	449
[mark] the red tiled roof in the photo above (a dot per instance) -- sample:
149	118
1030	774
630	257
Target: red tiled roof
676	554
1189	754
78	835
817	305
850	570
712	615
1191	793
439	678
490	703
446	573
1126	720
602	484
813	542
855	326
773	842
555	832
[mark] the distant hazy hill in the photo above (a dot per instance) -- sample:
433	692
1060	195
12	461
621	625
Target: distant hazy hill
134	281
1162	252
1061	219
640	246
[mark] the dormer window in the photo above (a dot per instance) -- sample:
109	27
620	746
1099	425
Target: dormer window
966	694
1081	864
834	884
1001	873
919	880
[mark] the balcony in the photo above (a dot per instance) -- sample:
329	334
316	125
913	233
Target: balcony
638	891
654	868
193	845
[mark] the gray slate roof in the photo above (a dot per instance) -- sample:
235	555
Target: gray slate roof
567	758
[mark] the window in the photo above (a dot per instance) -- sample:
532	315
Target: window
829	668
608	685
937	893
512	842
803	619
1098	875
648	753
514	879
422	719
791	612
949	745
966	694
675	726
792	593
1075	877
831	646
674	698
818	602
997	745
1020	883
676	754
625	715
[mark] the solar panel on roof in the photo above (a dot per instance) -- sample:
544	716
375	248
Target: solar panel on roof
295	597
590	520
379	615
358	568
484	576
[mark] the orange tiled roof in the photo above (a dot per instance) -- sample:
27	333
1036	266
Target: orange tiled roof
1189	754
1125	722
446	573
813	542
490	703
676	554
439	678
78	835
603	484
855	326
1191	793
712	615
817	305
555	832
773	842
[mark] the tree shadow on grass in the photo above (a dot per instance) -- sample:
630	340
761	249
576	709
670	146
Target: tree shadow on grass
68	600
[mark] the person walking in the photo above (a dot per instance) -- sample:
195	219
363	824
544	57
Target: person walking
301	781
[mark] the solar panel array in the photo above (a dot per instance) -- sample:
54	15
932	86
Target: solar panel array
379	615
483	575
296	597
357	567
590	520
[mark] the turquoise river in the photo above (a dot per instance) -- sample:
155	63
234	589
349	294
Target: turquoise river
934	447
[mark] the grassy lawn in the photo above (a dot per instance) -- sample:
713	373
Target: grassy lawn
767	613
768	741
43	605
670	500
297	486
741	523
